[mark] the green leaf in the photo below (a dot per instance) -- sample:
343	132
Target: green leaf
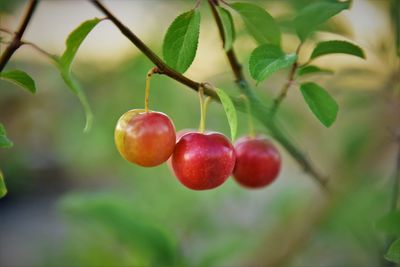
393	253
390	223
3	188
320	102
259	23
311	69
337	47
4	141
229	110
267	59
74	41
64	63
19	78
228	27
181	40
76	89
316	13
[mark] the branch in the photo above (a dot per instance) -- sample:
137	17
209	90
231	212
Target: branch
16	42
163	68
396	180
286	86
261	110
393	203
263	113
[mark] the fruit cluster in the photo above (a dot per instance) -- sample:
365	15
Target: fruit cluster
199	160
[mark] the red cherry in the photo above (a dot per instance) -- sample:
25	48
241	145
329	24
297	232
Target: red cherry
179	134
203	161
145	138
257	162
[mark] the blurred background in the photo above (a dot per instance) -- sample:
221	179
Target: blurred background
73	201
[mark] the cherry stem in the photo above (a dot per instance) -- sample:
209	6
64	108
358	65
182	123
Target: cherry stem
250	123
147	90
203	109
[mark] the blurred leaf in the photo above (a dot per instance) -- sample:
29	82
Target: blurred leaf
131	228
19	78
298	4
73	43
4	141
9	6
267	59
73	84
357	141
393	253
181	41
260	24
390	223
228	27
3	189
335	47
310	17
396	20
360	72
337	25
353	212
320	102
230	111
312	69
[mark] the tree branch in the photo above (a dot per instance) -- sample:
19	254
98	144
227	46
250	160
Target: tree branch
16	42
396	180
260	109
395	194
162	66
393	203
262	112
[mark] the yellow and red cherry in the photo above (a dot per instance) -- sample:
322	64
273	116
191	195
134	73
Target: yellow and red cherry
258	162
203	161
145	138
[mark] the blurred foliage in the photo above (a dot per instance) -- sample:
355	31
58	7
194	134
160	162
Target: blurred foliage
7	6
147	244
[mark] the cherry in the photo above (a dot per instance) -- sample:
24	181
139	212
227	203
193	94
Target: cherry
257	162
145	138
203	160
182	132
179	134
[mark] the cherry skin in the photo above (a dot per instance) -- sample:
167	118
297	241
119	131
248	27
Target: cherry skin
179	134
258	162
203	161
145	138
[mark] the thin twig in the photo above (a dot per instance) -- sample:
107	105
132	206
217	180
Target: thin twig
197	4
230	54
39	49
285	88
6	31
16	42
